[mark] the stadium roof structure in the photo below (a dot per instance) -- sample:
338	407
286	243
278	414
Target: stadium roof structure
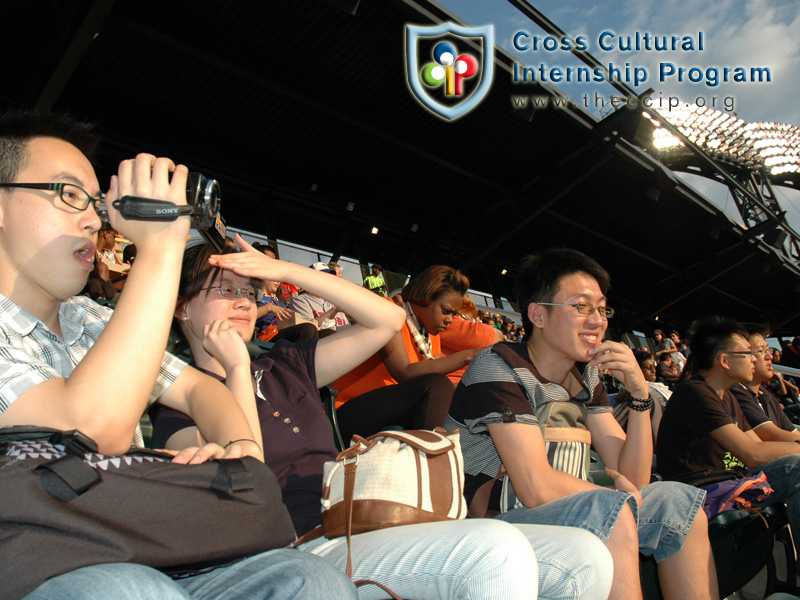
302	112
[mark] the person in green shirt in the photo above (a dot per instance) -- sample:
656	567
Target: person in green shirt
375	282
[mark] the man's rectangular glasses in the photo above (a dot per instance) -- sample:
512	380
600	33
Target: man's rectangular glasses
70	194
584	308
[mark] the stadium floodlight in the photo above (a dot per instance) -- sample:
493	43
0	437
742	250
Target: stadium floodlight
725	137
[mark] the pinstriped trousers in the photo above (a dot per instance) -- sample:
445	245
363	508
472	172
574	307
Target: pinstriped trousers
475	559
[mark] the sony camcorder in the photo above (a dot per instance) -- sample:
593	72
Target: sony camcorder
203	203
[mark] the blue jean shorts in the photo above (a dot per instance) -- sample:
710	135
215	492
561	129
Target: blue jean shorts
667	513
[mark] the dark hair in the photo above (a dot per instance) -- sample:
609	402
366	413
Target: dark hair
195	271
434	282
761	329
18	127
641	356
710	336
263	248
541	274
129	254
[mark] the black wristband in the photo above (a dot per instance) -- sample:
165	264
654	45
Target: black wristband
241	440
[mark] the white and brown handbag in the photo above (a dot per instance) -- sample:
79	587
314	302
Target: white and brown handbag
394	478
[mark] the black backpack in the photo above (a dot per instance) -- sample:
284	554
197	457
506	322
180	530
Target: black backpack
63	506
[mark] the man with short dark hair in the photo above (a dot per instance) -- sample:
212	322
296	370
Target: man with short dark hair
759	403
667	369
704	428
532	411
67	363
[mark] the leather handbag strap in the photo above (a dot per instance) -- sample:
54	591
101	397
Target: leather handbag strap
349	491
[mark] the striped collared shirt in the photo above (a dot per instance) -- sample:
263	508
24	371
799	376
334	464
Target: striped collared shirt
30	353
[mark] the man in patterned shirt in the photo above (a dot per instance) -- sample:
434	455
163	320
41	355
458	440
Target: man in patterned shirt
529	413
67	363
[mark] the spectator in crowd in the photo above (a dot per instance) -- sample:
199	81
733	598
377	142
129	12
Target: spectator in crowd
129	254
667	346
507	329
271	310
405	382
497	320
471	558
791	355
108	276
319	311
466	332
510	391
704	427
760	405
534	409
682	347
786	389
285	291
63	357
659	393
397	297
337	268
375	283
667	370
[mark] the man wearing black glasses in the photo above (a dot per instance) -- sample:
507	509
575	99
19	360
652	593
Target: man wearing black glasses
704	428
530	412
67	363
760	405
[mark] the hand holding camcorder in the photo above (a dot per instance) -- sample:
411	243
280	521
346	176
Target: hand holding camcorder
202	205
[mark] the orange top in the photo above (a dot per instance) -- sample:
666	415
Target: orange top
462	334
372	373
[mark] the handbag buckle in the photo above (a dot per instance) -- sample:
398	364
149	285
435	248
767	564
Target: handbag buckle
78	443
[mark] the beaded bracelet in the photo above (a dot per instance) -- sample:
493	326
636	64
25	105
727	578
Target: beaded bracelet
640	404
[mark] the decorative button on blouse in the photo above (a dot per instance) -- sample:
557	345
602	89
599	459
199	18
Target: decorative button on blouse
296	429
287	420
276	414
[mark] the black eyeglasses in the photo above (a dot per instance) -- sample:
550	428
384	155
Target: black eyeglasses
70	194
227	290
585	308
741	352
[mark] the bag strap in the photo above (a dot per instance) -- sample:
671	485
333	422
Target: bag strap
361	582
349	491
238	478
76	474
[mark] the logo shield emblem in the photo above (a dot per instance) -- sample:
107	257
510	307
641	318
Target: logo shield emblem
448	68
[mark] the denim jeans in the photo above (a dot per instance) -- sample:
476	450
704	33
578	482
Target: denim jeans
273	575
783	474
664	519
475	559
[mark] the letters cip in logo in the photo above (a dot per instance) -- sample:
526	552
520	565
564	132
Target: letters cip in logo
447	67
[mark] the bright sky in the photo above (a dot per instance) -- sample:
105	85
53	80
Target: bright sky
736	33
